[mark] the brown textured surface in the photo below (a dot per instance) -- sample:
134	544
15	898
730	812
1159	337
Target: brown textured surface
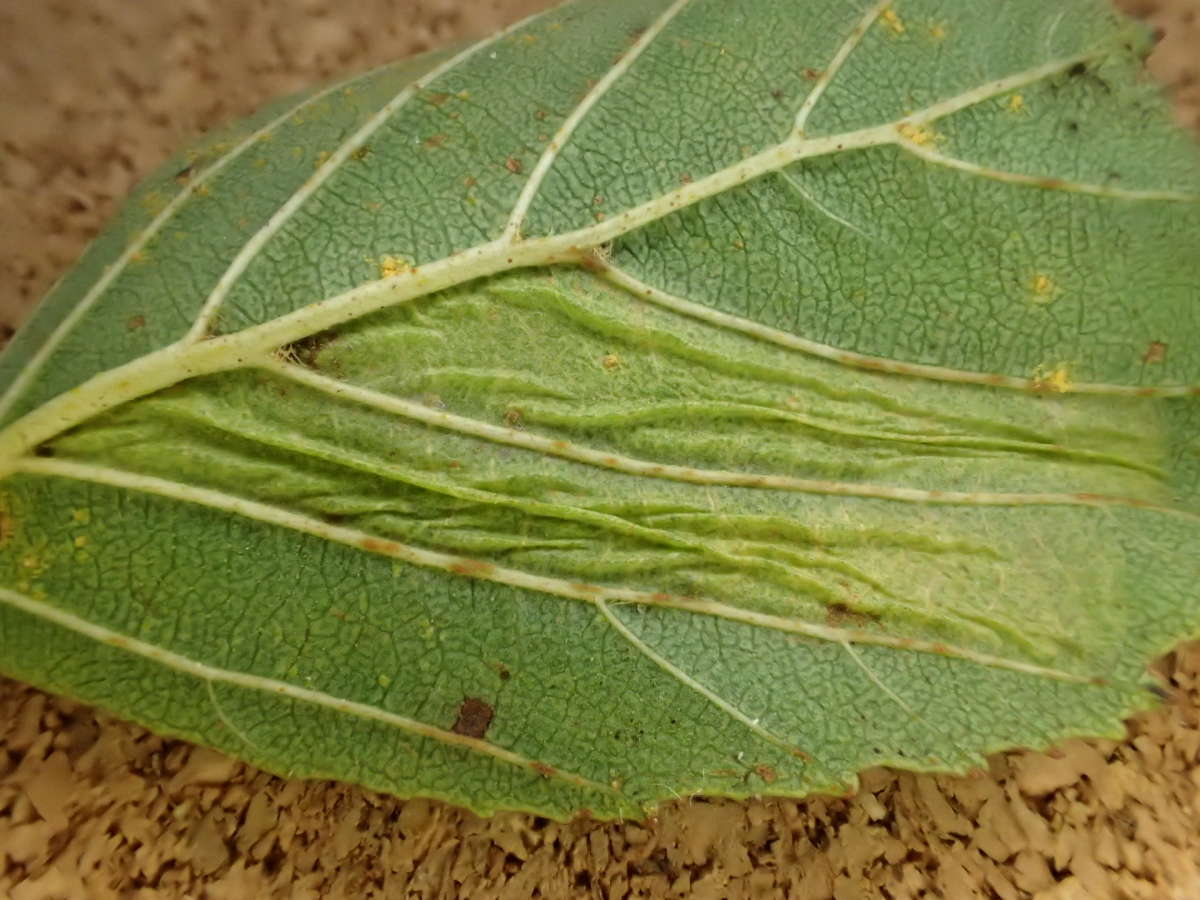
93	95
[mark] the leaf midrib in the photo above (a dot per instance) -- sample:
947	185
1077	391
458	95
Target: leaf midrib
194	355
258	346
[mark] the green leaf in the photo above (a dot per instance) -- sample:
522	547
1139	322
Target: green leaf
654	398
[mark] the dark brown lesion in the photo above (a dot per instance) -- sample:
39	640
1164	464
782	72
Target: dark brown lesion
306	350
841	615
474	718
1156	352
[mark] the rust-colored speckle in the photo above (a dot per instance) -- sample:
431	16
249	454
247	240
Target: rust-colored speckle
514	165
544	770
584	588
841	615
1098	681
1156	352
609	461
512	417
469	182
474	717
560	445
766	773
437	98
307	350
1145	392
660	597
473	568
375	545
1051	184
434	141
135	323
812	74
941	649
593	263
801	755
685	178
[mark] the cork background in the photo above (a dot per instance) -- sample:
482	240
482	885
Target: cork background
93	95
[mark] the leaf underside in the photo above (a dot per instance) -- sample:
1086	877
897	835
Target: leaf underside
655	398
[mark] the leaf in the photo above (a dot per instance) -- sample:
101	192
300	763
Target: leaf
654	398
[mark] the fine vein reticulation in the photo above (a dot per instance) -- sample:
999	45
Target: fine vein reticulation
274	349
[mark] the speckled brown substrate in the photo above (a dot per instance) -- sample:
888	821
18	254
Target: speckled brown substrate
91	97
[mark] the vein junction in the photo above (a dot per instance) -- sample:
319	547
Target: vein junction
615	444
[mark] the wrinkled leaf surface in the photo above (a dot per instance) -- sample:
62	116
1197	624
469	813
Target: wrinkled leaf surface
654	398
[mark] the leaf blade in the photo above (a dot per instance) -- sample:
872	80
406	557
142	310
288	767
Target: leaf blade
653	468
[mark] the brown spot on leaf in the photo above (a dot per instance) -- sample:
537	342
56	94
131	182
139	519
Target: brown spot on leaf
135	323
812	74
434	141
766	773
437	98
514	165
474	717
594	262
375	545
839	615
544	770
473	568
1156	352
306	350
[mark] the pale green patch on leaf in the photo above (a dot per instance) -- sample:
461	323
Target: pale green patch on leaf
655	398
